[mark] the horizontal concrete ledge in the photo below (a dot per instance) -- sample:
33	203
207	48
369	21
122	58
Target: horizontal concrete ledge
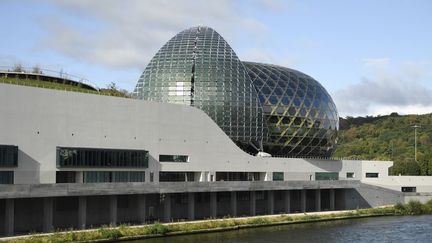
92	189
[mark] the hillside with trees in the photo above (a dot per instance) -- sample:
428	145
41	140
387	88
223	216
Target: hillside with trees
389	138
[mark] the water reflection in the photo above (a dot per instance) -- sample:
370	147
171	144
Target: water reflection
381	229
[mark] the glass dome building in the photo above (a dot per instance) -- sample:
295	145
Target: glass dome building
300	114
197	67
261	107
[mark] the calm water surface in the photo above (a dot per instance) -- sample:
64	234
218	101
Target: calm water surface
380	229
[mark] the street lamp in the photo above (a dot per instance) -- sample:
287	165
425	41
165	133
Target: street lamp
415	141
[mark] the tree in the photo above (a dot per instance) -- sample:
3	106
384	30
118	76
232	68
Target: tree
18	68
36	69
405	167
112	90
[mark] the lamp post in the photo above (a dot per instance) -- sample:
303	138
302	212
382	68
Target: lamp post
415	141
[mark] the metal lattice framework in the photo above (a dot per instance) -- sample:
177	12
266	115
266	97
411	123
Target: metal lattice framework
301	116
197	67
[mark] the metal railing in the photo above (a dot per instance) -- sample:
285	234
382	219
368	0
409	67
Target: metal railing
47	73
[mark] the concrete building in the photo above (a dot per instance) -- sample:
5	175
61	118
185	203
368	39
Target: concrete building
76	160
192	170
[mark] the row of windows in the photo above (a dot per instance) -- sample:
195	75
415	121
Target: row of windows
326	176
113	176
91	157
173	158
237	176
8	156
6	177
176	176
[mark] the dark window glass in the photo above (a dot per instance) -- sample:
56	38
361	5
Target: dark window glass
176	176
65	177
350	174
113	176
409	189
372	175
6	177
278	176
91	157
326	176
8	156
237	176
173	158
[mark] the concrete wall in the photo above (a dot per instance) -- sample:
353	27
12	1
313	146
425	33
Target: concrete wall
421	197
422	183
39	120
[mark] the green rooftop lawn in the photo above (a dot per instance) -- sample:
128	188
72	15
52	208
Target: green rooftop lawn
59	86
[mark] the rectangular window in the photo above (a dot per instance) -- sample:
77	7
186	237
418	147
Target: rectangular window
8	156
113	176
350	174
6	177
176	176
237	176
409	189
92	157
173	158
65	177
278	176
372	175
326	176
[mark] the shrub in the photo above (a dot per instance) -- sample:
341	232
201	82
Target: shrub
258	221
428	207
400	209
414	208
159	229
112	234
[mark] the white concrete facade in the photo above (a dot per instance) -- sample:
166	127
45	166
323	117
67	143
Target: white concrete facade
39	120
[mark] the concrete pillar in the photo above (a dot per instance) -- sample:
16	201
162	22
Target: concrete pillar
9	217
332	199
233	204
79	177
113	209
213	204
167	208
268	176
82	212
303	200
203	176
142	208
191	205
318	200
270	202
252	203
48	214
287	201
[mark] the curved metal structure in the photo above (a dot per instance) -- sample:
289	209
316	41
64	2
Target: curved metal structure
261	107
197	67
301	116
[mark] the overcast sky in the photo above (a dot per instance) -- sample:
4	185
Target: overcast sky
374	57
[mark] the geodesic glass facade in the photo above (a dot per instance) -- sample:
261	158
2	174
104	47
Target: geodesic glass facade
301	116
261	107
197	67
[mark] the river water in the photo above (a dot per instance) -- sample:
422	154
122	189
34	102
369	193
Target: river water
378	229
